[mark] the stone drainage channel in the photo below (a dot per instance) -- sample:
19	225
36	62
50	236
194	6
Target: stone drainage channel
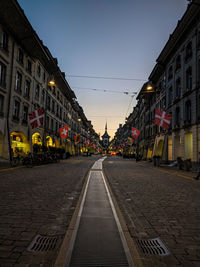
96	238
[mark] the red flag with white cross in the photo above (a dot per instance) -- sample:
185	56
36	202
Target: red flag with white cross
64	131
135	133
162	118
36	118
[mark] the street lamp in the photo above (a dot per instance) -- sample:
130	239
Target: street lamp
149	88
51	81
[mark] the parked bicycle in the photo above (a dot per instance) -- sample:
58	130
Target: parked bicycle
16	161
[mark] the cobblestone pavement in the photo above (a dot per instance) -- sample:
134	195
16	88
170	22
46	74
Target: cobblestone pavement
158	202
38	200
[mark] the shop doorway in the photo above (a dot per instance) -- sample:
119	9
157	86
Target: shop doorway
188	146
170	148
19	144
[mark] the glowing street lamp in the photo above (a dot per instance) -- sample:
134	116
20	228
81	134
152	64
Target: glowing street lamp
52	82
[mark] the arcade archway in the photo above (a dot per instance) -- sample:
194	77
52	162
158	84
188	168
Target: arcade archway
19	144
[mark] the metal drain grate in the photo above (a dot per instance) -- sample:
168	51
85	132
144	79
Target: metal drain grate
43	244
153	247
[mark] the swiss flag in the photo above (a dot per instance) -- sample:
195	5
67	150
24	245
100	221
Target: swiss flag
36	118
64	131
162	118
135	133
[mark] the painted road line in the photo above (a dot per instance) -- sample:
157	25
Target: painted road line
11	169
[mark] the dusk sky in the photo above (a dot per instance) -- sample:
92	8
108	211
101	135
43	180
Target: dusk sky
105	38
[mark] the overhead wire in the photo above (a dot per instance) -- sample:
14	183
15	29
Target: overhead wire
104	90
105	78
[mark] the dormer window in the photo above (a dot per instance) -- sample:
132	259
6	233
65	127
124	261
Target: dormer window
178	62
188	51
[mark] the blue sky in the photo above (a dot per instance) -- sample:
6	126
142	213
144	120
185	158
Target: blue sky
105	38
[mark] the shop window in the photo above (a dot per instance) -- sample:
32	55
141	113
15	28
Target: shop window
19	144
2	75
188	51
49	141
20	57
1	104
27	89
18	82
188	145
189	78
188	111
178	88
37	91
4	41
36	139
16	110
178	63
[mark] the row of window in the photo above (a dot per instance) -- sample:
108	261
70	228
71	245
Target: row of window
174	94
188	55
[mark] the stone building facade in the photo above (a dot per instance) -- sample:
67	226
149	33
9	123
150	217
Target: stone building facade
26	68
176	90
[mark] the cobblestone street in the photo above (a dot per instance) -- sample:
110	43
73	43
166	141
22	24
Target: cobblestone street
157	202
39	200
